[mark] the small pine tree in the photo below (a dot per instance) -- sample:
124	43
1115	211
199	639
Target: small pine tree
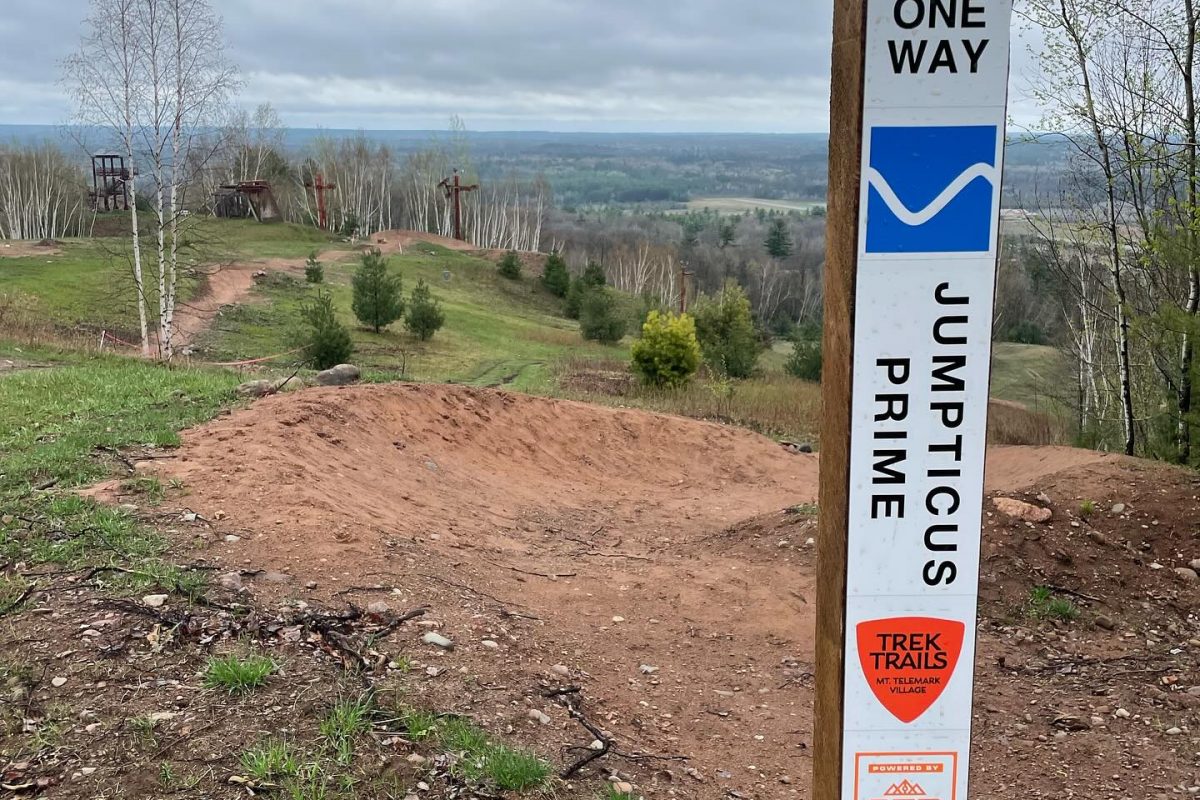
600	316
725	328
805	361
727	234
779	239
378	301
424	317
668	353
326	341
593	275
510	266
555	277
574	299
314	270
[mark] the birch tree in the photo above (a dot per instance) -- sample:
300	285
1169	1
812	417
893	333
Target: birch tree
42	194
153	74
1118	80
190	85
1075	31
106	81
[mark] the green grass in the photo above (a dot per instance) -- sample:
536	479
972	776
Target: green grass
418	724
237	674
1043	604
610	793
245	238
345	722
12	590
272	760
515	770
90	282
497	331
145	731
55	422
75	532
62	428
463	736
1037	377
87	283
485	761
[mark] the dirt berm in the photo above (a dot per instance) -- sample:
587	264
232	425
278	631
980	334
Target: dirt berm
666	566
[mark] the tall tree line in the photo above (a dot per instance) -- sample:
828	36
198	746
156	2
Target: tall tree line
776	257
1118	81
43	194
378	191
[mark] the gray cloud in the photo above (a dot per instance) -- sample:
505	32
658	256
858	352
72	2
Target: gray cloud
500	64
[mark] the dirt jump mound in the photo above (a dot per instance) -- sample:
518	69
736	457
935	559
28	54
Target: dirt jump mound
333	472
666	569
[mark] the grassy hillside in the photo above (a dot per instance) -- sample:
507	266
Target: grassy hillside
89	282
497	331
1036	377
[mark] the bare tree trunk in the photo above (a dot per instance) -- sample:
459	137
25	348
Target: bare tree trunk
1112	232
1187	347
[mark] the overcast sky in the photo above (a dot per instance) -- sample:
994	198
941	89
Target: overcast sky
595	65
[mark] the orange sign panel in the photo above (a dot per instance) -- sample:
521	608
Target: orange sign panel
908	661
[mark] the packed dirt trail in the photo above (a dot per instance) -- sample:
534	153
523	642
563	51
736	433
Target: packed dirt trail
667	567
232	284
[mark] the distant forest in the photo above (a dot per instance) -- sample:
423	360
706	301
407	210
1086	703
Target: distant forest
607	169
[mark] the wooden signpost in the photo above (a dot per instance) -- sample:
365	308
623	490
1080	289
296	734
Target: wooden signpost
917	137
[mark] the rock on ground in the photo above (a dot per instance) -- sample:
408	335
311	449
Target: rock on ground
1026	512
341	375
256	389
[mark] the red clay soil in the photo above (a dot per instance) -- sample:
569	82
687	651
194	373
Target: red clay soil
395	241
668	566
226	285
399	240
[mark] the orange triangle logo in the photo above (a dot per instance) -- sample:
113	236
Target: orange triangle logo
905	789
908	661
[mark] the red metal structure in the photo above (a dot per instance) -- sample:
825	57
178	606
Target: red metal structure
684	274
110	183
454	190
320	187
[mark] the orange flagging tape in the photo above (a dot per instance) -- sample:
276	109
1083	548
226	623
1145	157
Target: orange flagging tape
251	360
110	337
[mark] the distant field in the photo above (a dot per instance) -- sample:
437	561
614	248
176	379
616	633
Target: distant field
743	205
1037	377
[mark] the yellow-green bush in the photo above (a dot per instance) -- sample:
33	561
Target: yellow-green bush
668	352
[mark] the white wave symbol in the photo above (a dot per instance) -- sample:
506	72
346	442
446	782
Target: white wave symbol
897	207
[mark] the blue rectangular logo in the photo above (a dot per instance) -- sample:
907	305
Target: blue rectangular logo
932	189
